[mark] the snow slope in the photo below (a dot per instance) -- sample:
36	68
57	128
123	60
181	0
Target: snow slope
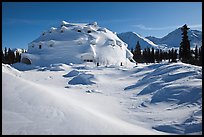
77	43
85	99
173	39
131	39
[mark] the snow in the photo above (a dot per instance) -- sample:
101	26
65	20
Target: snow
85	99
77	43
83	79
131	39
173	39
71	73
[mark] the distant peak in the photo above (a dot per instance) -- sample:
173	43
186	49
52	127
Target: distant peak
64	22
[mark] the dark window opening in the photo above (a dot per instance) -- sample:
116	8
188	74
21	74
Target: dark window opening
87	60
40	46
79	30
89	31
26	61
62	31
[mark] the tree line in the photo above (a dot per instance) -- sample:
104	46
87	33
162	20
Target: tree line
185	54
10	57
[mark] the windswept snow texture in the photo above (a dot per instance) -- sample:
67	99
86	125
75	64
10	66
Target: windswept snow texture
84	79
85	99
77	43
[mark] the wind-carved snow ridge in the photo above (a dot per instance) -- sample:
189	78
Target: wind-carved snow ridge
163	98
166	85
77	43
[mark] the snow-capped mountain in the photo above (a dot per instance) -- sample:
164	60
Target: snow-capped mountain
131	39
173	39
77	43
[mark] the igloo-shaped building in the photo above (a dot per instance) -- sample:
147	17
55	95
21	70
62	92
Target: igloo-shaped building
77	43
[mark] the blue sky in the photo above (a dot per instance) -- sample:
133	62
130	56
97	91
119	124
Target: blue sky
22	22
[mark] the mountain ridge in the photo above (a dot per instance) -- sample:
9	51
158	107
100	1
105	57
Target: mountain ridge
171	40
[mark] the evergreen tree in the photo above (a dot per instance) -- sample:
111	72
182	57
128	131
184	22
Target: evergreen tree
144	55
157	56
169	55
2	56
152	56
161	55
5	56
18	57
11	56
184	50
196	53
137	53
173	55
148	54
200	56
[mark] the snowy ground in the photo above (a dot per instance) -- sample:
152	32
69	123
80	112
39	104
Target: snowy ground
85	99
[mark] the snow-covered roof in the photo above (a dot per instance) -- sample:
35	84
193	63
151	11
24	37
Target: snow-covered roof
68	44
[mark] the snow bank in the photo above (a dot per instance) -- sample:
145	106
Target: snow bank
161	98
34	106
71	73
165	91
84	79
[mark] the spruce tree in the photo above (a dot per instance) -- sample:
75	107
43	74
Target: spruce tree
137	53
157	56
196	53
152	56
144	55
11	56
2	56
17	58
148	54
184	50
200	56
5	56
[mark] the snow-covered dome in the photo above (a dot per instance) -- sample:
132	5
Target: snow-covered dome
77	43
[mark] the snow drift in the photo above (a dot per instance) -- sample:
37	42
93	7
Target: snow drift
78	99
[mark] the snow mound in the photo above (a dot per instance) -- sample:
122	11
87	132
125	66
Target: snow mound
10	70
192	125
84	79
72	73
56	67
165	91
178	94
53	67
167	83
77	43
